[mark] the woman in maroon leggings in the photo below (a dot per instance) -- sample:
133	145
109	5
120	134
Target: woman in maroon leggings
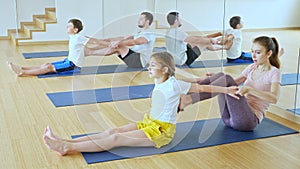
261	87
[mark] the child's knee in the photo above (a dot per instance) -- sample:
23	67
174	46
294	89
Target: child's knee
48	67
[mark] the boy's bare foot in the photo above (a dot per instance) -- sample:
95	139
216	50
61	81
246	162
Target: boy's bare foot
48	132
59	146
15	68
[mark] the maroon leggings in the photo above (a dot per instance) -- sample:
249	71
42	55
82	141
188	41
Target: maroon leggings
234	113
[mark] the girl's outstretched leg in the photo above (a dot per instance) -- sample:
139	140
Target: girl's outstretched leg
135	138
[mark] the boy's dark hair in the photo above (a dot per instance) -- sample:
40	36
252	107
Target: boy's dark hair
171	17
148	17
234	21
77	24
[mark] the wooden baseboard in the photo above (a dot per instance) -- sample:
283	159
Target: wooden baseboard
284	114
271	29
4	38
246	30
62	42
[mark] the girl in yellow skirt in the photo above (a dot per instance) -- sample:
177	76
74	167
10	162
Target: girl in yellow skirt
157	128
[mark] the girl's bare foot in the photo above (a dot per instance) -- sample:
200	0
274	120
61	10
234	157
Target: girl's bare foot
58	146
15	68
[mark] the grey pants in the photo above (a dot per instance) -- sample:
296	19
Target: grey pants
235	113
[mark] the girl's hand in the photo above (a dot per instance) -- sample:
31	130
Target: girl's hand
243	90
232	90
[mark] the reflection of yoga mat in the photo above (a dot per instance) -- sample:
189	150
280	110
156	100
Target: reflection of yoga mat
289	79
106	69
100	95
66	53
45	54
297	111
187	137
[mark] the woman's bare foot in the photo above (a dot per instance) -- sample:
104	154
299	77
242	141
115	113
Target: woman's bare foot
58	146
15	68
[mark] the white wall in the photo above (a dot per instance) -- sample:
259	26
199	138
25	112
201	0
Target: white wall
27	8
7	19
119	17
21	10
266	13
89	13
208	15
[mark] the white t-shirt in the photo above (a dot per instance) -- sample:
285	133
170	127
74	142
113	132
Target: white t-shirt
165	99
176	45
76	49
145	50
236	49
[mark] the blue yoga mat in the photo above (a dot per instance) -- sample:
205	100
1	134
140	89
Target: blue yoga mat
106	69
211	132
71	98
45	54
66	53
297	111
289	79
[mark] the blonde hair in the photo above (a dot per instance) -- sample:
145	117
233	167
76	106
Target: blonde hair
166	60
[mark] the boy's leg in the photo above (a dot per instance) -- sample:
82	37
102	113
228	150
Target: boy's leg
99	51
32	71
214	35
43	69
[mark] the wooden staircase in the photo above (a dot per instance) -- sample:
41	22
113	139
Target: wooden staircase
37	25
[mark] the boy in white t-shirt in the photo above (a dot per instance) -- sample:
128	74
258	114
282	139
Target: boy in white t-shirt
233	42
75	58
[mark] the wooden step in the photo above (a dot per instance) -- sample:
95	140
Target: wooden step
28	29
37	25
15	37
42	21
51	13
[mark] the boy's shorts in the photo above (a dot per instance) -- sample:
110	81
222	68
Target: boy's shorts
244	58
65	65
161	133
132	59
192	54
